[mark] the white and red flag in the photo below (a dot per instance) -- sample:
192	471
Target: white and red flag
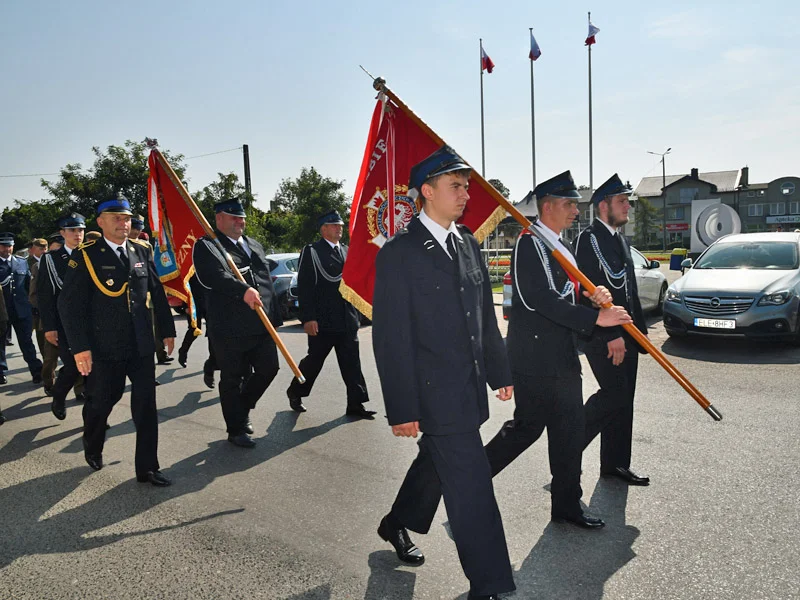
535	52
486	62
593	31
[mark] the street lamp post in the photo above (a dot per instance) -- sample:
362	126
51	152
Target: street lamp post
664	194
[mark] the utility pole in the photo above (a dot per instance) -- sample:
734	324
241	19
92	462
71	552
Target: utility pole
247	187
663	194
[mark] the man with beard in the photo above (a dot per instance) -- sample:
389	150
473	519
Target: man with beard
246	354
605	258
49	282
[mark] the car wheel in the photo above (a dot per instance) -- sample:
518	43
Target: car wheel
659	310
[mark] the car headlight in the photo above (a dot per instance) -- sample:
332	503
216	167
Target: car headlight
673	296
775	299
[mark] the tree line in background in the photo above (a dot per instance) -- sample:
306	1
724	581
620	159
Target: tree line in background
288	226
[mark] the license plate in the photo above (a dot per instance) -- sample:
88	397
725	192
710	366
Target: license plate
715	323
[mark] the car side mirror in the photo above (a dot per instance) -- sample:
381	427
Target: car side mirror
686	263
654	264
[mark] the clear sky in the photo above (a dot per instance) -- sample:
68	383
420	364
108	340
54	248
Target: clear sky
719	82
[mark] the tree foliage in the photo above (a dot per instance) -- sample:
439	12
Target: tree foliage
306	198
500	187
646	222
29	220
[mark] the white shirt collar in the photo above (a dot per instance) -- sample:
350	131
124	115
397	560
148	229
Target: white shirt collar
437	231
332	245
68	249
115	246
553	238
242	242
611	229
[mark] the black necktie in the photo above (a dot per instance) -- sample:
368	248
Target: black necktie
337	253
565	245
122	256
452	247
621	243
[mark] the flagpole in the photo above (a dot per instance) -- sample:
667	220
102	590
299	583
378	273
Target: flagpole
483	147
591	158
533	125
210	233
380	85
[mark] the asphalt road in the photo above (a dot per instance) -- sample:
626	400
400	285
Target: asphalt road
296	517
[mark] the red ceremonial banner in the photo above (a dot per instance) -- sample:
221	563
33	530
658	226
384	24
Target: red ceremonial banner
175	230
382	204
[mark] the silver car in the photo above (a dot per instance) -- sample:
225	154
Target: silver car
743	285
652	284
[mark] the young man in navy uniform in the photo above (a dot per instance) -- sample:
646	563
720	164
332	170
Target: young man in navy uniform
245	352
605	257
329	320
15	278
542	349
49	282
436	345
103	310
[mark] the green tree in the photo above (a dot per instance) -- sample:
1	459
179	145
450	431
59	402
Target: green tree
306	198
29	220
118	169
498	185
647	223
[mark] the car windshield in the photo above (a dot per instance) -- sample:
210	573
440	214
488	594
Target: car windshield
750	255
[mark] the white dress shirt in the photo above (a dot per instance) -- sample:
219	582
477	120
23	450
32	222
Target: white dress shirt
438	232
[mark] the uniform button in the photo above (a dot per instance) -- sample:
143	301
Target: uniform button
536	337
469	313
462	288
472	337
476	363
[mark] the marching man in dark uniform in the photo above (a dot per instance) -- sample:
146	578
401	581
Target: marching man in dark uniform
542	349
3	325
436	345
103	310
328	319
48	351
49	282
605	258
246	354
15	278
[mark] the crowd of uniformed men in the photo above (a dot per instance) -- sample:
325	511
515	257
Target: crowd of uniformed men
99	306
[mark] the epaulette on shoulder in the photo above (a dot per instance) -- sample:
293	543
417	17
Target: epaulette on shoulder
87	244
464	229
144	243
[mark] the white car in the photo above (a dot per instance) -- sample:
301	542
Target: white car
651	281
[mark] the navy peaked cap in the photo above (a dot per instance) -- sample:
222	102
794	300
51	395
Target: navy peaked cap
444	160
230	206
330	218
7	238
117	205
612	187
560	186
72	221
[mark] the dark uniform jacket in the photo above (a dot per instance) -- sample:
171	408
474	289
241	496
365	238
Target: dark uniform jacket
49	281
435	333
542	326
15	278
618	256
319	298
103	304
226	312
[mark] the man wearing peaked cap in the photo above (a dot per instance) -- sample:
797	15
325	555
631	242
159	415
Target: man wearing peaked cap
49	282
328	319
15	279
542	349
245	352
605	258
436	345
103	311
48	351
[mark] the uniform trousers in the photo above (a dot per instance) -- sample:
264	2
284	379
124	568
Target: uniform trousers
348	357
455	467
247	365
49	354
210	365
68	375
555	403
609	411
24	330
106	384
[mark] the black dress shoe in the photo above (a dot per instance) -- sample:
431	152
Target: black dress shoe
295	403
37	378
242	440
155	477
583	521
208	379
166	360
158	383
405	548
2	418
248	427
3	379
48	390
80	398
58	409
182	356
489	597
626	475
94	460
360	412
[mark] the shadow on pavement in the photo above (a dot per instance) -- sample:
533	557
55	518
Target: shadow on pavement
568	562
388	579
732	351
26	532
